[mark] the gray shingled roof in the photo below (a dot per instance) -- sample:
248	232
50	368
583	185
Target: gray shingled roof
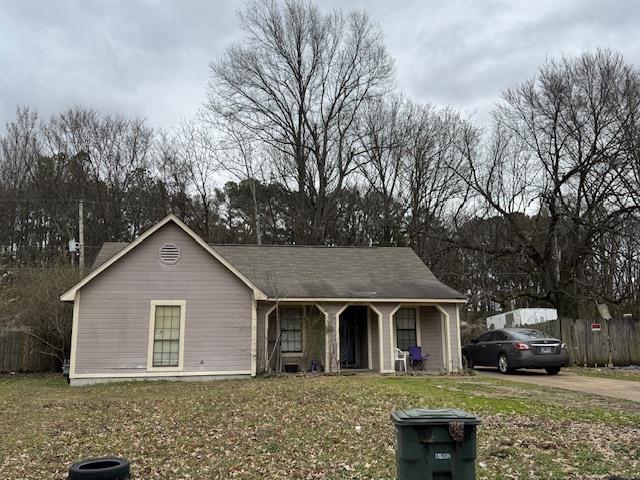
108	250
336	272
328	272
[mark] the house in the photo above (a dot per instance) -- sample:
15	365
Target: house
521	317
170	306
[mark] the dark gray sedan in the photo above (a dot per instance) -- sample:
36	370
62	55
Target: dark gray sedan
513	348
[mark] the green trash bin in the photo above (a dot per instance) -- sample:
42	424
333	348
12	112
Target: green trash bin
435	444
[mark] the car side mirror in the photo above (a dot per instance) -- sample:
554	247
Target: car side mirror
475	340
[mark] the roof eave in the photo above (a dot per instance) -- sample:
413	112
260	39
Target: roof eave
366	300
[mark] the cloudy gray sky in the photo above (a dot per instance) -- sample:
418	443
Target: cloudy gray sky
149	58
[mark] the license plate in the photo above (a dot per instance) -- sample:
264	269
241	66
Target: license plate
546	350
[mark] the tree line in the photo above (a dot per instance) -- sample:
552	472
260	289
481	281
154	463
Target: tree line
302	138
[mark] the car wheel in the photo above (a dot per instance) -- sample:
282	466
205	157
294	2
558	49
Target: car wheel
503	364
467	363
552	370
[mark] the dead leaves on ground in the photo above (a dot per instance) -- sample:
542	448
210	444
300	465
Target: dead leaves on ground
294	428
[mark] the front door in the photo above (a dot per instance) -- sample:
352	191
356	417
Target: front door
353	337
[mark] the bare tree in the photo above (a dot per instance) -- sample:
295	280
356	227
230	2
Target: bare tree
430	174
298	82
115	151
383	136
201	164
237	153
558	156
18	148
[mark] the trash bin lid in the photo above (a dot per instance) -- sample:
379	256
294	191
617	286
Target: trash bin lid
425	416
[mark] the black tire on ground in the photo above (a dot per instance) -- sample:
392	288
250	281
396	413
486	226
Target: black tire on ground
552	370
503	364
467	363
107	468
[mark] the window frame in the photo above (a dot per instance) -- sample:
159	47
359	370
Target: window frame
292	353
500	336
152	322
489	336
416	328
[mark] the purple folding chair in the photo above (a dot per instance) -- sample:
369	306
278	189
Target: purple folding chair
416	357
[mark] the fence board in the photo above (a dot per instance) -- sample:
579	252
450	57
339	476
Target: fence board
20	352
618	341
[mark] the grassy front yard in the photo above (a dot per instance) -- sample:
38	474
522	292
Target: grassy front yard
605	372
304	427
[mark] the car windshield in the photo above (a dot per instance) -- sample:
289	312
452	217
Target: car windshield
528	334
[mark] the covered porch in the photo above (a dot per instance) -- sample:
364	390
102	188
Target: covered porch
355	336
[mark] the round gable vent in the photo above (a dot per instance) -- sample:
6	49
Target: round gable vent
169	254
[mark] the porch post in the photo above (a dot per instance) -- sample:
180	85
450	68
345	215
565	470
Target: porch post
458	364
446	338
385	314
331	345
331	349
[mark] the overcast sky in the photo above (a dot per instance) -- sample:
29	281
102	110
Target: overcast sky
150	58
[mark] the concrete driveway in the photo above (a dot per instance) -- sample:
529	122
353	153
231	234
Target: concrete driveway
622	389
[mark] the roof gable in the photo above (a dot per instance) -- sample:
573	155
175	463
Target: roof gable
70	294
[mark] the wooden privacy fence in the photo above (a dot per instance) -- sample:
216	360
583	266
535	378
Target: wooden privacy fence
20	351
618	340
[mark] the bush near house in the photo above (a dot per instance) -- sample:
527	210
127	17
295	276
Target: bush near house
30	303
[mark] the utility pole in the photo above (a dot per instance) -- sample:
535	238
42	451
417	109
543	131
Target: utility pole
81	232
557	259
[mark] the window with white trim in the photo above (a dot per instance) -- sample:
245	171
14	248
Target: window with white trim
291	329
166	335
406	328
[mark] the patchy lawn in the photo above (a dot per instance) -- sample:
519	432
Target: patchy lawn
618	373
301	427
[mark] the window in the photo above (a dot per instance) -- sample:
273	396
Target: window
166	334
485	337
291	329
499	336
528	334
406	328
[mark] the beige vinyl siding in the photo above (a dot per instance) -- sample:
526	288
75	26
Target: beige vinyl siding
431	336
454	334
113	323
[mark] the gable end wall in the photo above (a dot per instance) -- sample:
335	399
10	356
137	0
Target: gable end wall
113	321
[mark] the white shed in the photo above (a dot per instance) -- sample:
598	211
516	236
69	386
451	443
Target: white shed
521	317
